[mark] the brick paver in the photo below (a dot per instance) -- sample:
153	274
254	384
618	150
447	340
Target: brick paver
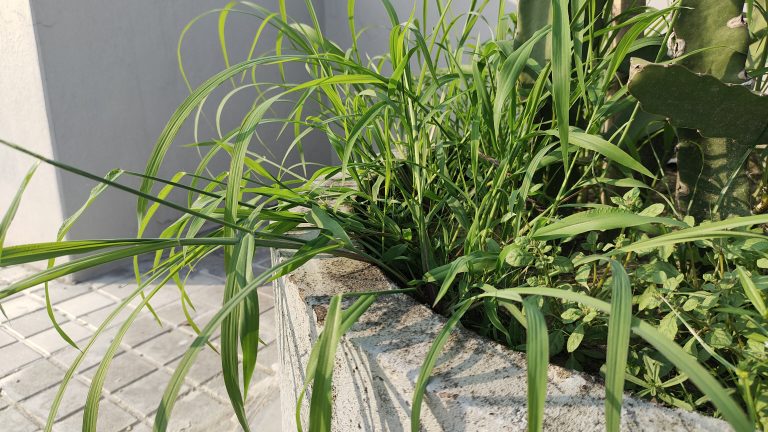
34	357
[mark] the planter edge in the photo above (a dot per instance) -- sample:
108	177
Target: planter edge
477	384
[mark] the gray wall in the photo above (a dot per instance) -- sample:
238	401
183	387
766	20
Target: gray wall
112	83
23	119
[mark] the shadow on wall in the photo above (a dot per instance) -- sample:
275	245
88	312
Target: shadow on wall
93	83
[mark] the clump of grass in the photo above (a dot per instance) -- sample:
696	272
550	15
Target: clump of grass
513	196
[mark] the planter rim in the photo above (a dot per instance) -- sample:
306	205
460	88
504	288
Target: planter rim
477	384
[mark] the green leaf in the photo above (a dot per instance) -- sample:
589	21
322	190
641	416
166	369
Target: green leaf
718	338
358	128
429	364
668	326
619	325
598	220
510	72
5	223
686	364
537	361
516	256
753	294
168	401
144	197
561	72
574	340
349	317
322	391
478	261
237	263
22	254
95	392
321	219
704	231
599	145
103	258
570	315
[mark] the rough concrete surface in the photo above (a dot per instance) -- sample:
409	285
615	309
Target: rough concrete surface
476	385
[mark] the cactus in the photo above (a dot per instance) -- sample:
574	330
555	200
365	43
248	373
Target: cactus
710	168
699	101
532	15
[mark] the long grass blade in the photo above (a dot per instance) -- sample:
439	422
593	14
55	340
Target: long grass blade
619	325
429	364
5	223
170	395
561	71
674	353
537	351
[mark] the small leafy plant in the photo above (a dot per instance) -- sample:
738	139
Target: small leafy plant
511	183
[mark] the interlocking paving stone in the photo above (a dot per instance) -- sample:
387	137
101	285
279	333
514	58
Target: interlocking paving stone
11	420
5	338
59	292
73	400
267	332
144	329
19	305
141	427
215	386
206	290
266	414
85	303
167	294
173	314
266	299
167	348
111	418
97	317
51	341
34	322
93	356
34	358
144	395
206	366
14	356
35	377
264	385
200	412
124	369
201	320
14	273
268	356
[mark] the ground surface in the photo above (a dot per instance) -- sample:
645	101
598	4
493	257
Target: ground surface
34	358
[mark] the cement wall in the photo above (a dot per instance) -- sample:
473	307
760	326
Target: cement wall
92	83
23	119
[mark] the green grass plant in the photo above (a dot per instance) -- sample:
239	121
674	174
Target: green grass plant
523	199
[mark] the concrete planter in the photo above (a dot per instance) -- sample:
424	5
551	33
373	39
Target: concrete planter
477	385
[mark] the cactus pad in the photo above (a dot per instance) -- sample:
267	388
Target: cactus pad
701	102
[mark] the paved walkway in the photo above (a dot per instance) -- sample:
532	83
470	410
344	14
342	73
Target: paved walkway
34	358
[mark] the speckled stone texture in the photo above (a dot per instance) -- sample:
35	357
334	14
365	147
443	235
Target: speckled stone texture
477	385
